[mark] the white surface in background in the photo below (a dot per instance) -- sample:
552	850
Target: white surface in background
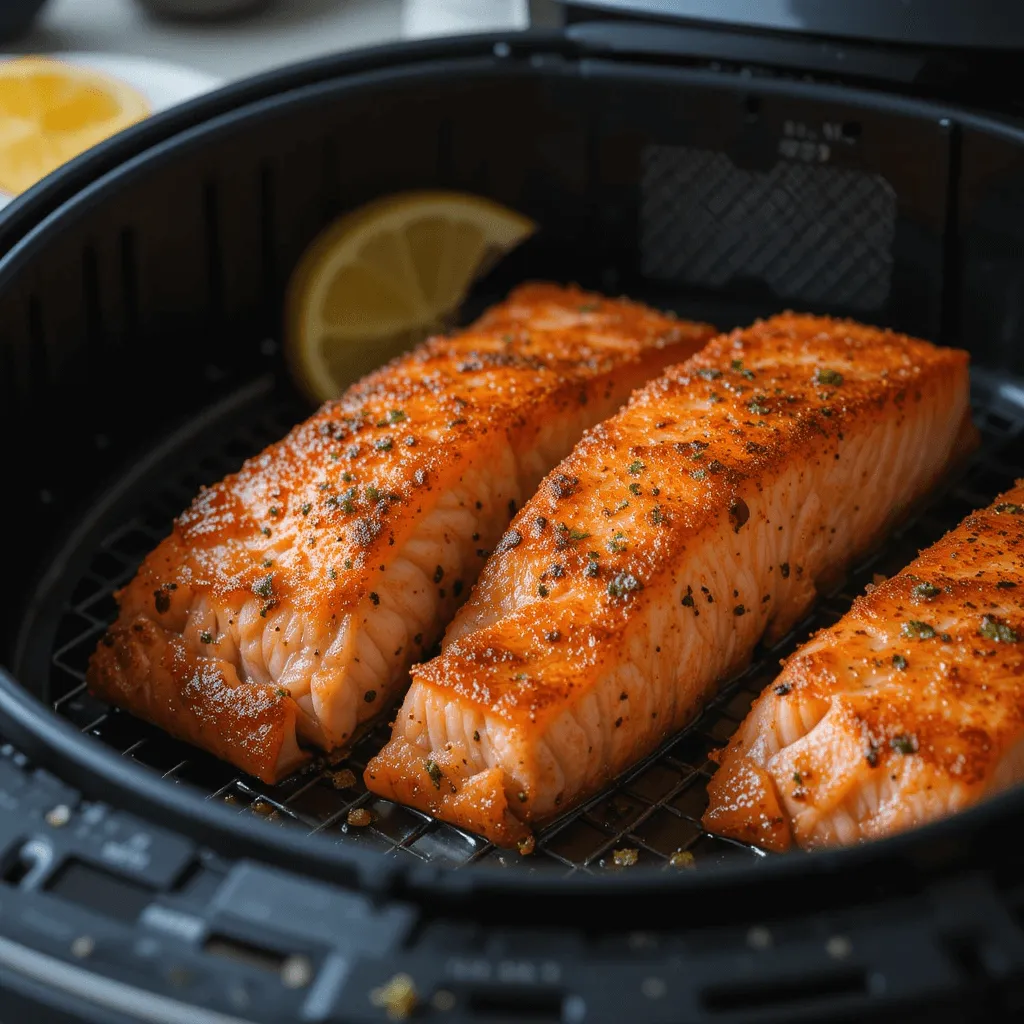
421	18
289	31
162	84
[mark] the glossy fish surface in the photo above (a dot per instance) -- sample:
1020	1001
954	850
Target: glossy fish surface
284	609
702	517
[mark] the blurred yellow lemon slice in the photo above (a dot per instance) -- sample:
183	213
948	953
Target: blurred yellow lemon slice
51	111
382	278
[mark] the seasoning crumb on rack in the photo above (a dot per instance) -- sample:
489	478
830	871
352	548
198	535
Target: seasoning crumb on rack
682	859
625	858
359	817
526	846
343	779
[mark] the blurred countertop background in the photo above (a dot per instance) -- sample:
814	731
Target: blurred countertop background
286	31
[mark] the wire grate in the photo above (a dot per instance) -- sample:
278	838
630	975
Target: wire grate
653	810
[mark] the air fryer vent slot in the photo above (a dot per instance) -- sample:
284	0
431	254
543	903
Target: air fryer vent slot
812	233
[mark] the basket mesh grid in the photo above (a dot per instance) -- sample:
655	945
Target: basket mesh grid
654	810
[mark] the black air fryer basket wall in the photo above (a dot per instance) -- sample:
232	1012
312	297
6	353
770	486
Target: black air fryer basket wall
140	310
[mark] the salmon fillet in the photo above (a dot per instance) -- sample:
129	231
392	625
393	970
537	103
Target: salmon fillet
908	709
286	606
651	561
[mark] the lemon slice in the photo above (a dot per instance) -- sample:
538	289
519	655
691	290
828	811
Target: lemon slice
380	279
51	111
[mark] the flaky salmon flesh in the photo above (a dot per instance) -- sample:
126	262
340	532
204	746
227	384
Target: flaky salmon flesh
649	563
286	606
908	709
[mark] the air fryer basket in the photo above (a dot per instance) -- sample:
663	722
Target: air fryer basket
140	358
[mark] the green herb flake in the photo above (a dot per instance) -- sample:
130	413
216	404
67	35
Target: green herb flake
206	637
899	662
578	535
542	591
347	477
397	416
384	444
657	516
433	770
904	744
1009	508
264	587
265	530
829	378
372	494
347	563
798	778
281	692
916	630
635	468
624	583
709	373
589	307
636	489
757	406
306	508
925	591
996	630
699	474
617	543
332	573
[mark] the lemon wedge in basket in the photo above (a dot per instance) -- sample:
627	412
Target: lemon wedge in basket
380	279
51	111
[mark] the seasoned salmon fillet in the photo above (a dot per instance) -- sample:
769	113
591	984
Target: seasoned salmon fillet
286	606
651	561
908	709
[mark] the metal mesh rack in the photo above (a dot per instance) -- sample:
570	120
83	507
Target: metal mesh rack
653	810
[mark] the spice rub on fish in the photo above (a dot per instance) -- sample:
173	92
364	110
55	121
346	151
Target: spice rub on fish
290	599
651	561
908	709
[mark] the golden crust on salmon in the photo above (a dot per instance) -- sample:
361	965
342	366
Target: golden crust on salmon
908	709
287	604
649	563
